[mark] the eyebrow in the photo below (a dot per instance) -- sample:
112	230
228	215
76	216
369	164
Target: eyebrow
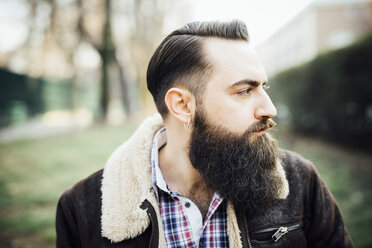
252	83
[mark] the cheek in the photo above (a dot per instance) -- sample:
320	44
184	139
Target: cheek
232	114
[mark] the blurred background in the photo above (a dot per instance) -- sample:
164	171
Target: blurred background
73	88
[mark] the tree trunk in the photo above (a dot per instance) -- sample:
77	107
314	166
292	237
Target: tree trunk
106	54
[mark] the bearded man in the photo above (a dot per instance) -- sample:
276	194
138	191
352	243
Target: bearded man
204	172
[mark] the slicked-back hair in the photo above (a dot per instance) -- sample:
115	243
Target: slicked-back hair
180	59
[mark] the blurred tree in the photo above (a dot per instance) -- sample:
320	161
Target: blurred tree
330	96
148	23
121	34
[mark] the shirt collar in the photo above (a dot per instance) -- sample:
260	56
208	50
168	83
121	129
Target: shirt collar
159	140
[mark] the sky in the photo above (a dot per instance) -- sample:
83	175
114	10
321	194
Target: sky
12	28
262	17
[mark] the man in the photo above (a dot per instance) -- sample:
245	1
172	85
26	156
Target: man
205	172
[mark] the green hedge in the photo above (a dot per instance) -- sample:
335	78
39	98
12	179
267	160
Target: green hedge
23	97
331	96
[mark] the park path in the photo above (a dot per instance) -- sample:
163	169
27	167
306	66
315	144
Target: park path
34	129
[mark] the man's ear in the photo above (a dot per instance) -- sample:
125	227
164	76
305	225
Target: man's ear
180	103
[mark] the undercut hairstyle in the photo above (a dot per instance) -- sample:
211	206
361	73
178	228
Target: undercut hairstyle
180	59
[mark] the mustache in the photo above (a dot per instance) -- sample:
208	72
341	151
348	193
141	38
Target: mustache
264	124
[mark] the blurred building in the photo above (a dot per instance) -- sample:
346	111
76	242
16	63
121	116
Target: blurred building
323	25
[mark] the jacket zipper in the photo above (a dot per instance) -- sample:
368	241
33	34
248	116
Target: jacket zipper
243	227
247	232
279	232
154	239
152	234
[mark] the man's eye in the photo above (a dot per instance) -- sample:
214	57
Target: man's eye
244	92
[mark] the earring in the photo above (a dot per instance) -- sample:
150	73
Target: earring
188	124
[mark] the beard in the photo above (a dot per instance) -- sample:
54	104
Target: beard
240	167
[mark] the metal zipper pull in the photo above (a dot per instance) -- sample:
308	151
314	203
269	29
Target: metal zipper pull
279	233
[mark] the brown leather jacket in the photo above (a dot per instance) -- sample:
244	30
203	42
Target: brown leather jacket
115	207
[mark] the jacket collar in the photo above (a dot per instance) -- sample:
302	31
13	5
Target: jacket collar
126	183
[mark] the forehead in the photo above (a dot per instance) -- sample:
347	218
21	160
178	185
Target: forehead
232	61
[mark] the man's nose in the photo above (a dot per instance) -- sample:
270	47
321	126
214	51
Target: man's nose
265	107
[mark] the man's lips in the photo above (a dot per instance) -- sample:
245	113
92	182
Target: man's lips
262	127
262	130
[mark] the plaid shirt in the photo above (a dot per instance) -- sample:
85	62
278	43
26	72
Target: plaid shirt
182	221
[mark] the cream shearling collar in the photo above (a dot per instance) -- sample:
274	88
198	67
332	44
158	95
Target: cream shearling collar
126	183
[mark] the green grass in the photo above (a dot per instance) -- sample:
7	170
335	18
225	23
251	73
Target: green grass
33	174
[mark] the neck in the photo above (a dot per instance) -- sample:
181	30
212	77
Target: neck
178	171
175	164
